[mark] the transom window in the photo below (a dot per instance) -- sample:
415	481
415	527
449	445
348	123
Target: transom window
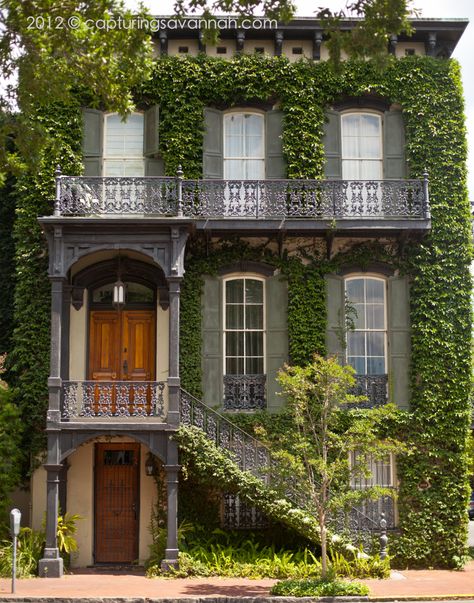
244	326
367	343
244	146
362	150
123	146
135	293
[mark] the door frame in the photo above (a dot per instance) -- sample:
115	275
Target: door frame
117	445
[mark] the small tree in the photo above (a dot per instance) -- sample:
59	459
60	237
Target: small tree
318	452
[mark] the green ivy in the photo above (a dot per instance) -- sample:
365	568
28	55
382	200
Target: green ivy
433	490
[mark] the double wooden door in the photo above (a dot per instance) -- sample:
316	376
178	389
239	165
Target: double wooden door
122	345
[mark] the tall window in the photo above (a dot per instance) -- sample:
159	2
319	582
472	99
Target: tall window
244	326
244	146
123	146
362	151
367	342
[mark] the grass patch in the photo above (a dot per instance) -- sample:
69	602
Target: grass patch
318	588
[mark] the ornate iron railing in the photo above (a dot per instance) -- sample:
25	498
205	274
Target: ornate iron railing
244	392
253	456
374	388
258	199
105	399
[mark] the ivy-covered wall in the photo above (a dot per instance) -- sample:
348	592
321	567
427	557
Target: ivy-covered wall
434	477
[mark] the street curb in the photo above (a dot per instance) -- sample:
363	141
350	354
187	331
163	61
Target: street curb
224	599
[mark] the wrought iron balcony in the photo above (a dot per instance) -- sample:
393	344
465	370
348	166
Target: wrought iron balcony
244	392
323	200
374	388
112	399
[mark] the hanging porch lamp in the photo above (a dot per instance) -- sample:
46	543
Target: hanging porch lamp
118	299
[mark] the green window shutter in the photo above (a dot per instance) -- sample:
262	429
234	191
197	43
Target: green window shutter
212	359
335	317
276	337
213	158
154	167
92	166
394	145
399	341
332	145
275	166
92	133
151	125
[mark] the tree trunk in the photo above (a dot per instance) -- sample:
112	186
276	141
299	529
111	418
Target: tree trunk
324	554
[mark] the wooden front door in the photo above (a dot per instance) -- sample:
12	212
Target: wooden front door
122	345
116	502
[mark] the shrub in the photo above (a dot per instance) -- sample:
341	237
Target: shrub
318	588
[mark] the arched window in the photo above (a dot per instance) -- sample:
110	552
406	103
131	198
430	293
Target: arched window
366	309
362	146
123	146
244	146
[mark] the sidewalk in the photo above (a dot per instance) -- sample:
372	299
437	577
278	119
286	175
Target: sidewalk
87	584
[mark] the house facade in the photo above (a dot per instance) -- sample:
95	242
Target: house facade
254	205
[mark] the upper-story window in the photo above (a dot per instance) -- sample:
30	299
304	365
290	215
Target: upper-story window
364	142
244	146
362	149
367	341
123	146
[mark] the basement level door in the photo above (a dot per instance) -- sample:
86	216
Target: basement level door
116	502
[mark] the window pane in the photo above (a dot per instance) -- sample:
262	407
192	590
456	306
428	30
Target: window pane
234	316
357	363
375	290
375	344
235	169
355	290
355	343
350	170
255	169
369	125
254	366
234	343
137	293
375	316
359	316
254	317
370	170
254	343
375	365
124	139
253	291
235	291
234	366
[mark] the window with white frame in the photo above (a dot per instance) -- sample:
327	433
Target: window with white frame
244	146
123	146
367	471
367	341
244	326
362	147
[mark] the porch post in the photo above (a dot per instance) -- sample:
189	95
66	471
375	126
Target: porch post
51	565
172	469
174	382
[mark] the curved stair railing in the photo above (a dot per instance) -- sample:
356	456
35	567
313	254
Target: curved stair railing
252	455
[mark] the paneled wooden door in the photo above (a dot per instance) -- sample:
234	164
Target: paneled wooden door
116	502
122	345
